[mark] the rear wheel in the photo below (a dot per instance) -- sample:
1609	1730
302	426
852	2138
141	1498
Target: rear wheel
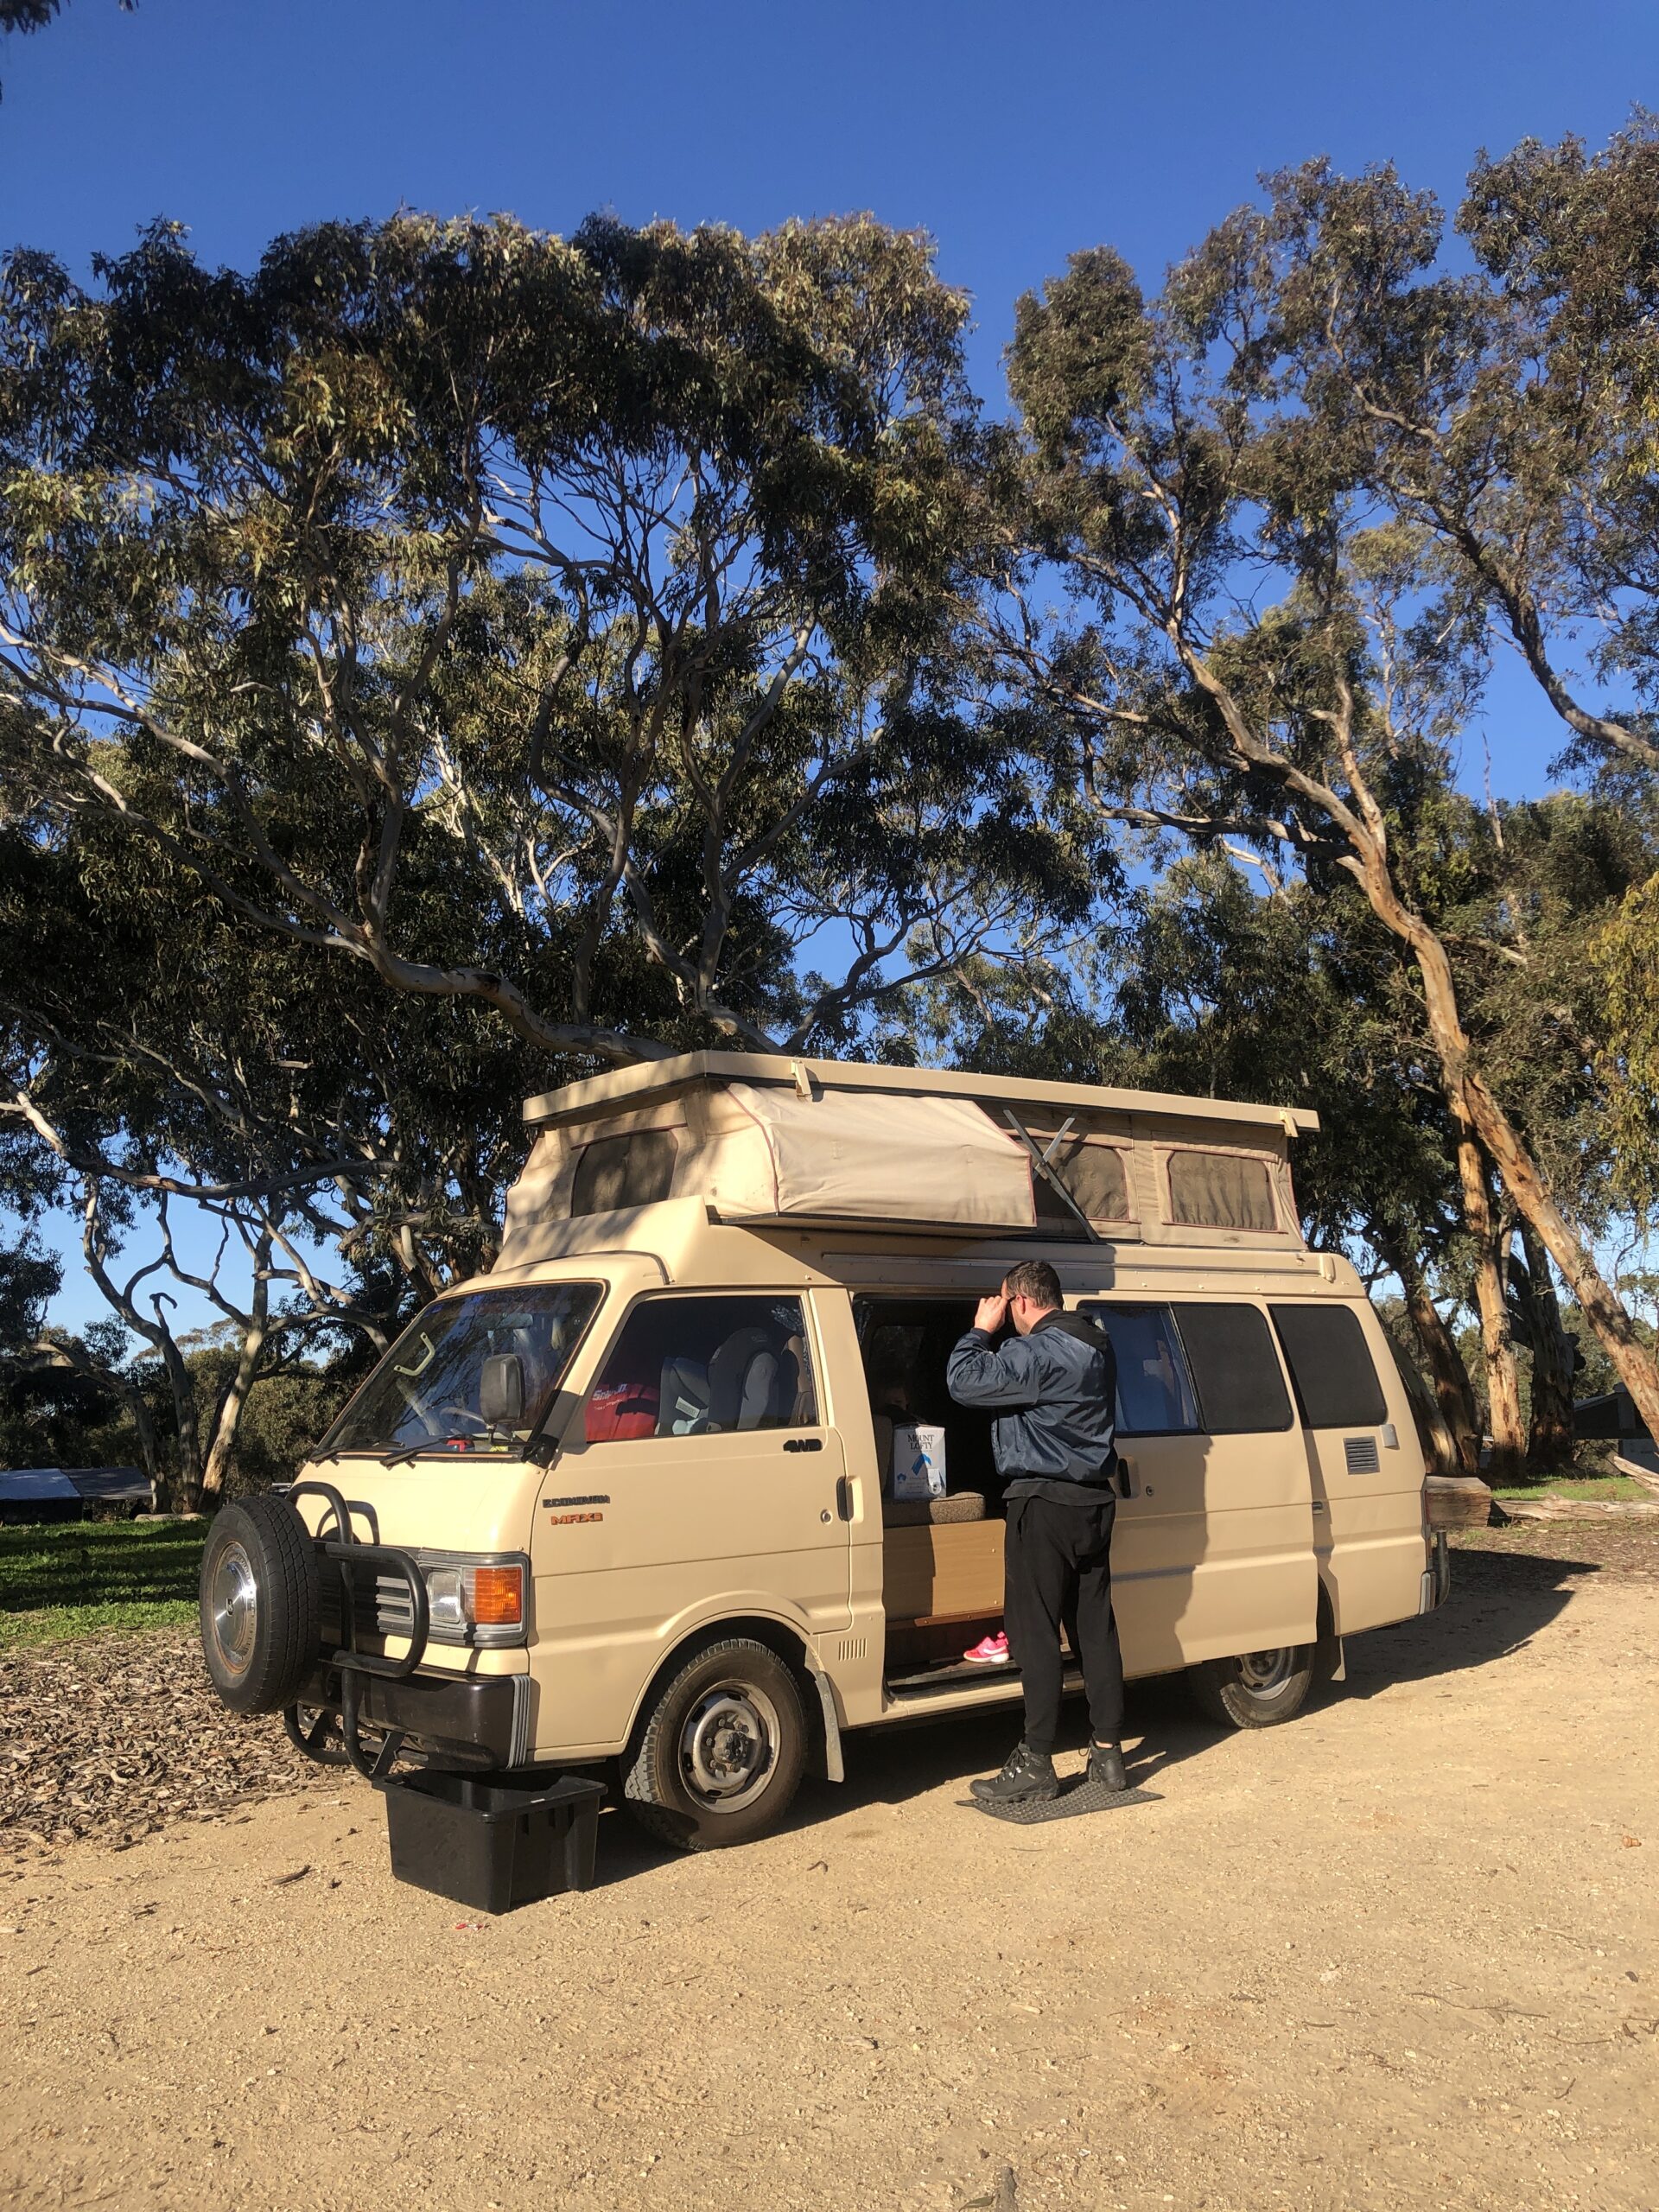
260	1605
1256	1690
719	1755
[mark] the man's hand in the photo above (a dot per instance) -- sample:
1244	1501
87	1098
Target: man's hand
991	1312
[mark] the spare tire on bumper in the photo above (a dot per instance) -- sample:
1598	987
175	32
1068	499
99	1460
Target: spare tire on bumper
261	1605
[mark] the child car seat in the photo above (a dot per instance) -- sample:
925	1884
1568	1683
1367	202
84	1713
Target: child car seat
685	1397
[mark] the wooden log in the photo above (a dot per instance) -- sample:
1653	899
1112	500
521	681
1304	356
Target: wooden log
1579	1509
1458	1502
1641	1463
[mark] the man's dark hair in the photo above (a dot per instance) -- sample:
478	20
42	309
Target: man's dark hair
1035	1279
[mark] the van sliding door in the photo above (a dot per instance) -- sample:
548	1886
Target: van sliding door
1213	1553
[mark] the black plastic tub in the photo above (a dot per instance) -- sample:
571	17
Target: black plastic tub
493	1845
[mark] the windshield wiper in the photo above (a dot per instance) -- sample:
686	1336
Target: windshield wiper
426	1444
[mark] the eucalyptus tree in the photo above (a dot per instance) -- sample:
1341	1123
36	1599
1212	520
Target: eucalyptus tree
552	628
1258	646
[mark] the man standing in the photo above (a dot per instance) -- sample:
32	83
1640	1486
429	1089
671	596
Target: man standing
1053	1386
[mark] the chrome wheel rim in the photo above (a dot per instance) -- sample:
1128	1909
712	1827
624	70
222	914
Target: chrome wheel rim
728	1747
1261	1671
233	1602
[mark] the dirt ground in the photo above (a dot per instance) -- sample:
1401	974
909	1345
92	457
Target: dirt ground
1405	1950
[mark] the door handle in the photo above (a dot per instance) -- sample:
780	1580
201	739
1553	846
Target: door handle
844	1496
803	1444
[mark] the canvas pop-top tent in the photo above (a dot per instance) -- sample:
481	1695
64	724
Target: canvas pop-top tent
764	1138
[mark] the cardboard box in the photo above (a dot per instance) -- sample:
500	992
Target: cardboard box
918	1460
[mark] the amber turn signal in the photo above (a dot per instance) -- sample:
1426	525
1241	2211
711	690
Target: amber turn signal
498	1596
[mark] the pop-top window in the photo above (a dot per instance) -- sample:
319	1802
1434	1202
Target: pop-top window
1092	1172
425	1395
695	1366
1155	1391
1331	1364
1221	1190
1231	1351
626	1171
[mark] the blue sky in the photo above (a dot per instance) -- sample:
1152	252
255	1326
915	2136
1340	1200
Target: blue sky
1015	133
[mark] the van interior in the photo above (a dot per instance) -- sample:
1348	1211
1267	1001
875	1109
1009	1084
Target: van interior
942	1558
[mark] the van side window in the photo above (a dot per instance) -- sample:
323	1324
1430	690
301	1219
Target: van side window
1331	1364
701	1366
1220	1190
628	1171
1230	1350
1154	1391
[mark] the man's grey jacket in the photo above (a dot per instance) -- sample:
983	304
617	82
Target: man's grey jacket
1056	1390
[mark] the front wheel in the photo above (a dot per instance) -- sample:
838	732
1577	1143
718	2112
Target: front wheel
720	1753
1256	1690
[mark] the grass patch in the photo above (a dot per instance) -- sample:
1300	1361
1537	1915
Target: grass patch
63	1580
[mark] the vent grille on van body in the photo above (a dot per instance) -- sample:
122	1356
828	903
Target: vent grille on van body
1360	1453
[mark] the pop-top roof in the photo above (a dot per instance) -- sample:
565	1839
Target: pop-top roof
622	1090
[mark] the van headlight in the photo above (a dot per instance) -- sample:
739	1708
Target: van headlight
476	1602
446	1600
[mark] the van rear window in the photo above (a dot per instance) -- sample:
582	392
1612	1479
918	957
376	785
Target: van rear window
1331	1364
1231	1351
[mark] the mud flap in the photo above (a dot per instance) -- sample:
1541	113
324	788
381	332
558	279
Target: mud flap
833	1768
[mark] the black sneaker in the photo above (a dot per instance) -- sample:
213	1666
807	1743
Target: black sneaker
1027	1779
1106	1767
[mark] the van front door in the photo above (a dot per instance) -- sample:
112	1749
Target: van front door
699	1483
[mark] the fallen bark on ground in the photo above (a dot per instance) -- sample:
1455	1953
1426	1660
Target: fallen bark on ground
114	1736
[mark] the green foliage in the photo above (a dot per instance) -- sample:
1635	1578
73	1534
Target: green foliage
1623	968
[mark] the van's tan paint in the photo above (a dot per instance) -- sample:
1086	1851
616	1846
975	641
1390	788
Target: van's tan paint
1219	1552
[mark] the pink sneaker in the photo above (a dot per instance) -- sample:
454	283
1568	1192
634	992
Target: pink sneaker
990	1651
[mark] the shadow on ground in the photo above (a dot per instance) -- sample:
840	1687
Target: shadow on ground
1499	1602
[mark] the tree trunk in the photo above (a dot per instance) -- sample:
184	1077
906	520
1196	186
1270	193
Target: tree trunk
228	1418
1454	1393
1549	1437
1477	1113
1497	1335
186	1423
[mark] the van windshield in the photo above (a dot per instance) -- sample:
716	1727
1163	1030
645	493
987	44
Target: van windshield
424	1394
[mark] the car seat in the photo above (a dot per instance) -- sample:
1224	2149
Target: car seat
753	1380
684	1397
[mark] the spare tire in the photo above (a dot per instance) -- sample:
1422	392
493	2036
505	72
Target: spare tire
261	1600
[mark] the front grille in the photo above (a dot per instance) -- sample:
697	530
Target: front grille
1360	1453
394	1614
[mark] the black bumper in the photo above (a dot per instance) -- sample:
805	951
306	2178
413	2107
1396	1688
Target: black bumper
473	1721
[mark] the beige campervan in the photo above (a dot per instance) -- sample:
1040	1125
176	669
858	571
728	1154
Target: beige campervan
679	1485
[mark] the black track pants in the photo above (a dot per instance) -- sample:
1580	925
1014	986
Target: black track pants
1058	1573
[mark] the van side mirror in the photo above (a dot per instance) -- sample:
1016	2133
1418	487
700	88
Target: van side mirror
501	1390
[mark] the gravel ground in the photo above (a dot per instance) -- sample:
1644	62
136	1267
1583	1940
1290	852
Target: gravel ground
1404	1951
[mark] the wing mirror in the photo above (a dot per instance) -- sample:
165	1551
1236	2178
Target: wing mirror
501	1391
